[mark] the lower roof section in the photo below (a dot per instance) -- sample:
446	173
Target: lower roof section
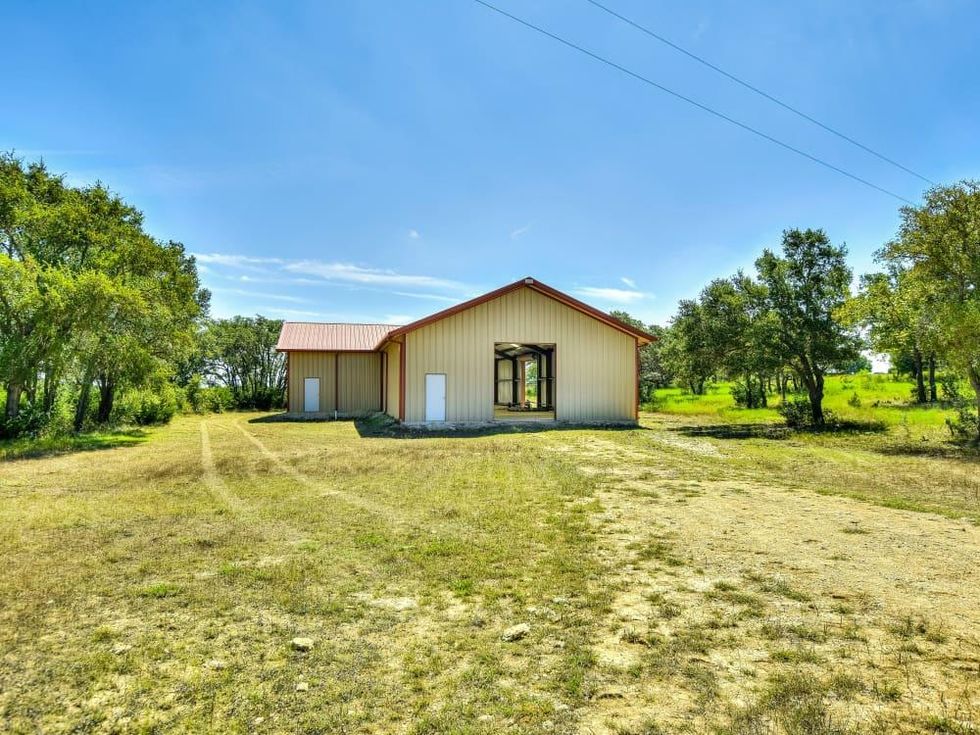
315	336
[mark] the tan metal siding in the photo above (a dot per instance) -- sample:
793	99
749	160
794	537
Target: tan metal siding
311	365
392	387
594	363
359	384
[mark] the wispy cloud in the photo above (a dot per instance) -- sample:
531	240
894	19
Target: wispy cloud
430	296
343	317
414	235
520	231
350	273
297	313
246	262
614	295
313	271
629	282
261	295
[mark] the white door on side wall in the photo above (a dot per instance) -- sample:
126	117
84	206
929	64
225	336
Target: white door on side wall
311	395
435	397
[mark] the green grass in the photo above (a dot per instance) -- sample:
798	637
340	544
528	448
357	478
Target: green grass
157	585
880	399
46	446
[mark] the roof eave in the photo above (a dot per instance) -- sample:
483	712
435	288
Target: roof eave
641	336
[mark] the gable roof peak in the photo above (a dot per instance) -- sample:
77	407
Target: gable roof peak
527	282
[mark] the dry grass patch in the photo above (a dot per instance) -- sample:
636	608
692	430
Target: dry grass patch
669	584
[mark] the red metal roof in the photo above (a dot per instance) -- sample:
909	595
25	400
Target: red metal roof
330	337
370	337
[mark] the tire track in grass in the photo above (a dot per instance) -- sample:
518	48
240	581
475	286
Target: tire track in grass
241	510
387	512
216	485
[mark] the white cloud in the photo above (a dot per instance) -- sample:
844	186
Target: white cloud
520	231
315	272
414	235
349	273
338	317
629	282
261	295
430	296
246	262
297	314
615	295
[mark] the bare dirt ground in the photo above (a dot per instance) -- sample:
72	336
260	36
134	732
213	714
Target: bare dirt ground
755	581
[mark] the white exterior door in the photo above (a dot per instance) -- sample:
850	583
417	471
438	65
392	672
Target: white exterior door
435	397
311	395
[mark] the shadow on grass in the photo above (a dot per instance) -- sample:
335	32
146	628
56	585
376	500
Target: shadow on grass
383	426
778	431
376	427
734	431
967	452
17	449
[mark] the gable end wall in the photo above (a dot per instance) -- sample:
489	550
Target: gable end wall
595	364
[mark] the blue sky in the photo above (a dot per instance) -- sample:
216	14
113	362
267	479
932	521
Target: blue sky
334	161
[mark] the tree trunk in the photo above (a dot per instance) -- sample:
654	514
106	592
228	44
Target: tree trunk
763	389
812	377
81	408
815	390
920	386
107	394
783	380
13	400
975	382
50	389
932	378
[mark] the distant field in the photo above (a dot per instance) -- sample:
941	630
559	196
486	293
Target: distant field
680	577
879	398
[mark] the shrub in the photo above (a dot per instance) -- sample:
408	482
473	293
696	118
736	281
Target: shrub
212	399
30	422
854	401
796	412
799	415
147	406
748	396
965	425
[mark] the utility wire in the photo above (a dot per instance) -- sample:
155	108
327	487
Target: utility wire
693	102
762	93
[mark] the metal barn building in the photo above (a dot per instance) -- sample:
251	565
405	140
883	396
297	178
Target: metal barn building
525	352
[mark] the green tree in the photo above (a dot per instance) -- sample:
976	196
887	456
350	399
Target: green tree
654	373
802	290
741	332
893	306
939	245
88	294
687	349
240	353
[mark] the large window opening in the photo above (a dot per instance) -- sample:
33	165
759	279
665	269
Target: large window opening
524	381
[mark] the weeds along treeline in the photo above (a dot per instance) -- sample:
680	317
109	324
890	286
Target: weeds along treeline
101	323
782	329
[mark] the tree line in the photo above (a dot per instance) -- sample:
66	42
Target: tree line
784	327
100	322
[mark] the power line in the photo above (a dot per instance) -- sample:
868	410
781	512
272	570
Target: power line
693	102
762	93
